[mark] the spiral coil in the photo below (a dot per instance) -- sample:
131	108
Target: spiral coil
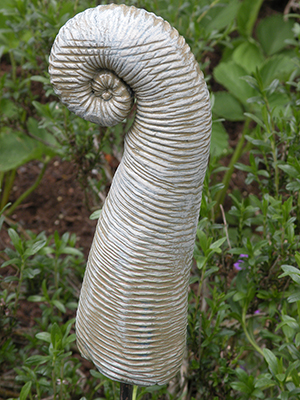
132	314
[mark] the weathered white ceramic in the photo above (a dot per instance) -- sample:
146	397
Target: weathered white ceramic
132	314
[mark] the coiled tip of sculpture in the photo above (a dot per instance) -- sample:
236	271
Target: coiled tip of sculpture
92	92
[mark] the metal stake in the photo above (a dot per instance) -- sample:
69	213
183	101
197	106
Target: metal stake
126	391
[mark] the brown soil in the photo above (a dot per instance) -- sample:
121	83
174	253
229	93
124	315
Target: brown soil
58	203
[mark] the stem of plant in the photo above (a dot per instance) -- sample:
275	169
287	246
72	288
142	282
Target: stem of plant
53	380
8	181
28	191
275	161
1	181
201	16
19	286
13	65
271	130
135	388
252	342
235	157
61	378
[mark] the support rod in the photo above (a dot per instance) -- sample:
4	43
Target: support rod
126	391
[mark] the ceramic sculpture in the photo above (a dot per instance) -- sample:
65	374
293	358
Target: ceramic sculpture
132	315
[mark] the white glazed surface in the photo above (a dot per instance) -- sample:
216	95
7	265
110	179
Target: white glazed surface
132	314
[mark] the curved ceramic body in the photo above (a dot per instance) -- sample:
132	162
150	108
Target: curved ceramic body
132	314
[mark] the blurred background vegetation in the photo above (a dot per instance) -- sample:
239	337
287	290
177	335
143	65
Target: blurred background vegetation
244	299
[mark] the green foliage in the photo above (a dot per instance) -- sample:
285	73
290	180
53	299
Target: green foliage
273	32
243	334
244	304
31	126
42	271
247	16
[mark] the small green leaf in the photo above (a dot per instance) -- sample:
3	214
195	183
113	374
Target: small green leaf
257	393
292	272
96	374
290	170
293	186
57	240
47	140
8	108
271	361
265	381
59	305
217	244
36	298
210	271
68	326
25	391
30	273
228	107
42	79
16	149
277	67
16	261
45	336
256	119
56	335
72	251
69	339
36	360
201	261
95	214
193	279
219	140
45	291
219	18
43	109
297	258
292	370
247	16
241	387
9	279
16	240
242	375
35	248
297	339
72	305
280	377
273	31
294	297
229	75
249	56
202	240
239	296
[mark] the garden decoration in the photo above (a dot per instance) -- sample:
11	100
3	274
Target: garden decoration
132	314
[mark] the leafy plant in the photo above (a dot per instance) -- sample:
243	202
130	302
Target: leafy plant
244	305
55	371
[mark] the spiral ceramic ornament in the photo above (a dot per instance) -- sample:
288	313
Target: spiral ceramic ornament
132	314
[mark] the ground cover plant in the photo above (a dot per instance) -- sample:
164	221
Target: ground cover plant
243	338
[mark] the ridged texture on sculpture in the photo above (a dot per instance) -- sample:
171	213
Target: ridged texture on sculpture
132	314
